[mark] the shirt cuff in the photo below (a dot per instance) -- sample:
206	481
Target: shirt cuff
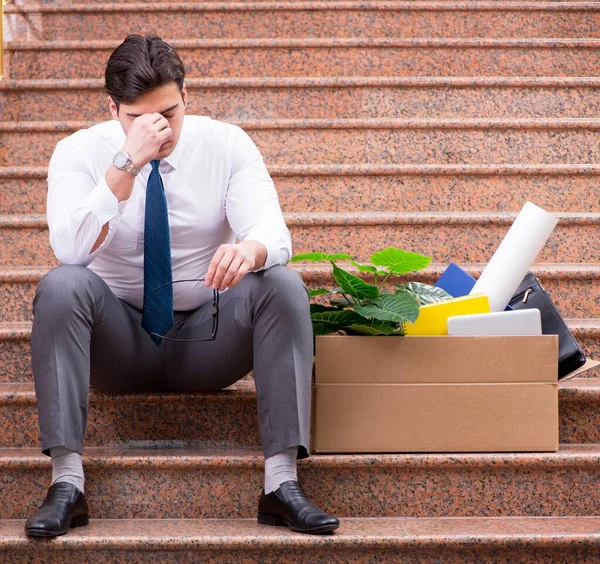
104	204
276	254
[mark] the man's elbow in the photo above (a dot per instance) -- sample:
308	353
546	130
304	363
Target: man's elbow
69	254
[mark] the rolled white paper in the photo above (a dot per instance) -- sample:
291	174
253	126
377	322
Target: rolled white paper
515	255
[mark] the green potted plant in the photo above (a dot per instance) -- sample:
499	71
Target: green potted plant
357	307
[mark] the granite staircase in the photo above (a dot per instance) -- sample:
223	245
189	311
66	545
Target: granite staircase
423	125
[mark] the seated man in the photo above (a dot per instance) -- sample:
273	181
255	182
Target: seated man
135	205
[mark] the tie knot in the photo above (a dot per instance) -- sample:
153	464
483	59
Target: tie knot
155	164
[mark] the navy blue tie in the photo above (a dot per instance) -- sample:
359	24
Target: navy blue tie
157	316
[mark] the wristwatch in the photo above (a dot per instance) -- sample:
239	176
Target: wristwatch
122	161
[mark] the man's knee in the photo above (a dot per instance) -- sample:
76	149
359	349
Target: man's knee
283	279
284	285
66	285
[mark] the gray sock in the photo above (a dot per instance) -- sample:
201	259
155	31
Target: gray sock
67	466
280	468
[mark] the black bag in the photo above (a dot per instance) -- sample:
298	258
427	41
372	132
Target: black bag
529	295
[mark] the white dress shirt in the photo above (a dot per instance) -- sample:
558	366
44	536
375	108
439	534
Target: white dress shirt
217	188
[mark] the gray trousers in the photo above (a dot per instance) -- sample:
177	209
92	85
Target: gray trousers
84	335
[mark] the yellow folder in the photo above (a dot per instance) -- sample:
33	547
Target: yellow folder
433	318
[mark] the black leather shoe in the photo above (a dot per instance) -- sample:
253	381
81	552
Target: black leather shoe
64	507
288	506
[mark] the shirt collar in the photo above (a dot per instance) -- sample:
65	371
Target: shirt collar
173	159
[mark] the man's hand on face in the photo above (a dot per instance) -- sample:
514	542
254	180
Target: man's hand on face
145	137
232	262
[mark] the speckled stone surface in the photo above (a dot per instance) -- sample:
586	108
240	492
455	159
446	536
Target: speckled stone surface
362	541
580	410
355	555
429	188
338	97
211	483
313	98
364	187
170	2
294	20
587	333
574	288
428	141
15	352
250	61
225	419
325	57
20	193
446	237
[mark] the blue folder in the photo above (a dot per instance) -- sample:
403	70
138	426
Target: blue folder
457	282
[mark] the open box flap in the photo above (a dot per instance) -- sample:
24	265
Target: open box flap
589	364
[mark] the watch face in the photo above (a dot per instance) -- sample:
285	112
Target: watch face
120	159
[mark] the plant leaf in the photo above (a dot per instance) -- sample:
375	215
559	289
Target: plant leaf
392	307
324	329
375	327
399	261
340	317
318	308
317	257
368	268
353	285
424	293
318	292
339	303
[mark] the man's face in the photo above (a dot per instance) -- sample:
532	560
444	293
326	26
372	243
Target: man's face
166	100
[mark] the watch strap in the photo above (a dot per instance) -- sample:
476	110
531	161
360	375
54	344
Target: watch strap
128	166
131	168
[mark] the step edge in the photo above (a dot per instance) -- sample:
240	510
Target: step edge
244	391
269	539
345	124
320	82
387	6
579	390
21	330
308	219
366	169
559	271
482	43
568	455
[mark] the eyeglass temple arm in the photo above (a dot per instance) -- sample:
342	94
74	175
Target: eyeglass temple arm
177	282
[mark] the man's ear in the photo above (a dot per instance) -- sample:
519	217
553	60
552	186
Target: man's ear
114	111
184	96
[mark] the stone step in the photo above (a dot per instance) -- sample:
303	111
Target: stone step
461	237
15	350
308	2
518	540
373	141
222	419
364	187
209	58
574	288
321	98
293	20
192	483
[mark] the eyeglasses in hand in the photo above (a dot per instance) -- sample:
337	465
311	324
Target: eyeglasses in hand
215	315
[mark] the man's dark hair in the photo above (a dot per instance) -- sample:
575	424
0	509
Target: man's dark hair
139	65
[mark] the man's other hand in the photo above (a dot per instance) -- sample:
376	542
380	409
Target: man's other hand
232	262
145	137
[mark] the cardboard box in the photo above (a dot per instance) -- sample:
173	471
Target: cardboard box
435	394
